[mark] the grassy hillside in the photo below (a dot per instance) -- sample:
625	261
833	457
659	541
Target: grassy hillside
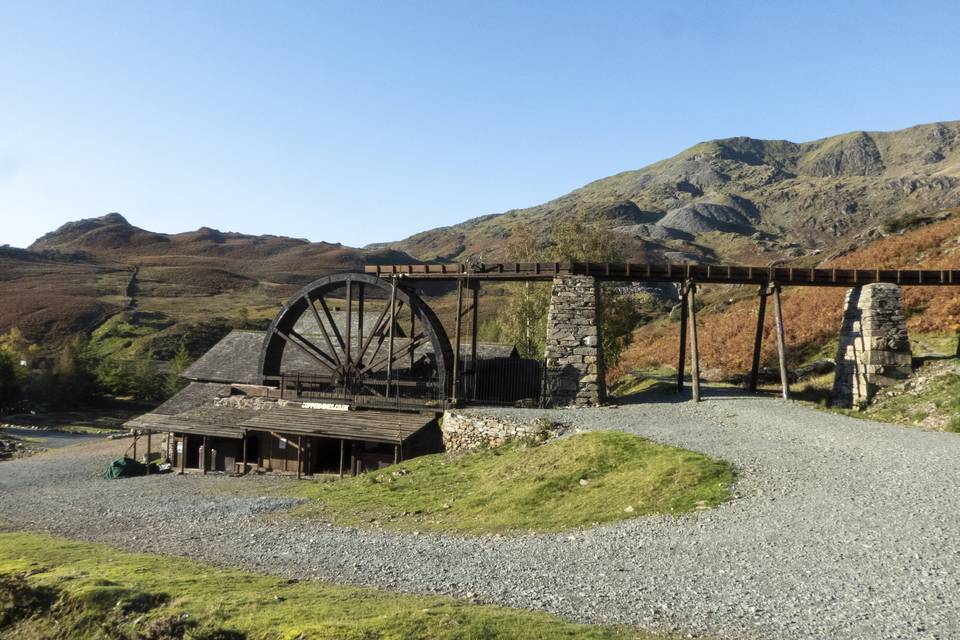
741	199
812	315
74	279
580	481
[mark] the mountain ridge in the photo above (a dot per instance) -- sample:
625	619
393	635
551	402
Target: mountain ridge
818	194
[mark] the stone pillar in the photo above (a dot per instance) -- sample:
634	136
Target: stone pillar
574	355
874	350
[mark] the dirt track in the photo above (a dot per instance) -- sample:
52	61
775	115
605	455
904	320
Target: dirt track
842	528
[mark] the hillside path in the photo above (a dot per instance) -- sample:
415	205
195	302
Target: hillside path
841	528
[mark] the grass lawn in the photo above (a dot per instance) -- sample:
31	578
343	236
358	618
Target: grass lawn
582	480
56	588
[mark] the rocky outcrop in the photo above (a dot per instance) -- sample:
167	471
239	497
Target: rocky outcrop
574	372
874	349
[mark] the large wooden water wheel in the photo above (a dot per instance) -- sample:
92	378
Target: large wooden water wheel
360	338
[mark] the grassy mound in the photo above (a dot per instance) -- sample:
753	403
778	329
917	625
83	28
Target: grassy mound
571	482
55	588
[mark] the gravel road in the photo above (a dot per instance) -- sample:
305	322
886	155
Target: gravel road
841	528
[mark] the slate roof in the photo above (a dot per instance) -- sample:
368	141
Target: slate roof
194	395
233	359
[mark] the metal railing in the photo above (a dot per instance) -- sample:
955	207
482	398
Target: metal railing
502	381
489	381
404	393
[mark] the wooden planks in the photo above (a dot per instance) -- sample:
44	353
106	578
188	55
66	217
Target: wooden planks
373	426
648	272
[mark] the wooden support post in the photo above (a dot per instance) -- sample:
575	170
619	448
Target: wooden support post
359	320
456	344
413	329
683	337
393	321
343	447
694	351
243	468
781	343
353	460
136	436
473	327
758	340
148	451
299	457
206	452
348	334
183	454
396	454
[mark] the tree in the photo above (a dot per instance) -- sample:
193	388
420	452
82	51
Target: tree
74	378
10	387
582	239
181	360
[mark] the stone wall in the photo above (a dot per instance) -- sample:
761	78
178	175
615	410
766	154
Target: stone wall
464	431
574	372
874	350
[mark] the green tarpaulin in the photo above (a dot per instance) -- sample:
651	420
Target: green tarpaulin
125	468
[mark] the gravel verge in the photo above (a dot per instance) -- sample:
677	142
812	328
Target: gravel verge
840	528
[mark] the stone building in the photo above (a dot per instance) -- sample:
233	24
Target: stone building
874	350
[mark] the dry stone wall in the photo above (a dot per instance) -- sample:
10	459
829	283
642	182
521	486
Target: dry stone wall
574	373
874	349
466	431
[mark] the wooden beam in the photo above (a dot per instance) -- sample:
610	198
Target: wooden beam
781	343
393	322
456	350
694	351
683	337
343	446
348	331
243	468
206	452
758	340
148	451
299	457
473	323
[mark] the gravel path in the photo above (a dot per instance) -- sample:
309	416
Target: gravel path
841	528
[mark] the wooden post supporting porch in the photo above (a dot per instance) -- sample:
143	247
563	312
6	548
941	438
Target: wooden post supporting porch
758	339
203	458
343	447
299	457
148	451
243	468
183	454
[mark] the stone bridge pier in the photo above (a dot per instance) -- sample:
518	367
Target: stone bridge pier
874	349
574	374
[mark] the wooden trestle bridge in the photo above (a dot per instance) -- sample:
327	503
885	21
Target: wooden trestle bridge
368	343
687	276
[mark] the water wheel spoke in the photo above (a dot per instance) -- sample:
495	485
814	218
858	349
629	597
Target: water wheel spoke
333	325
407	348
323	330
382	323
290	340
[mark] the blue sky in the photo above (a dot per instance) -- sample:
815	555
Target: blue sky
358	122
